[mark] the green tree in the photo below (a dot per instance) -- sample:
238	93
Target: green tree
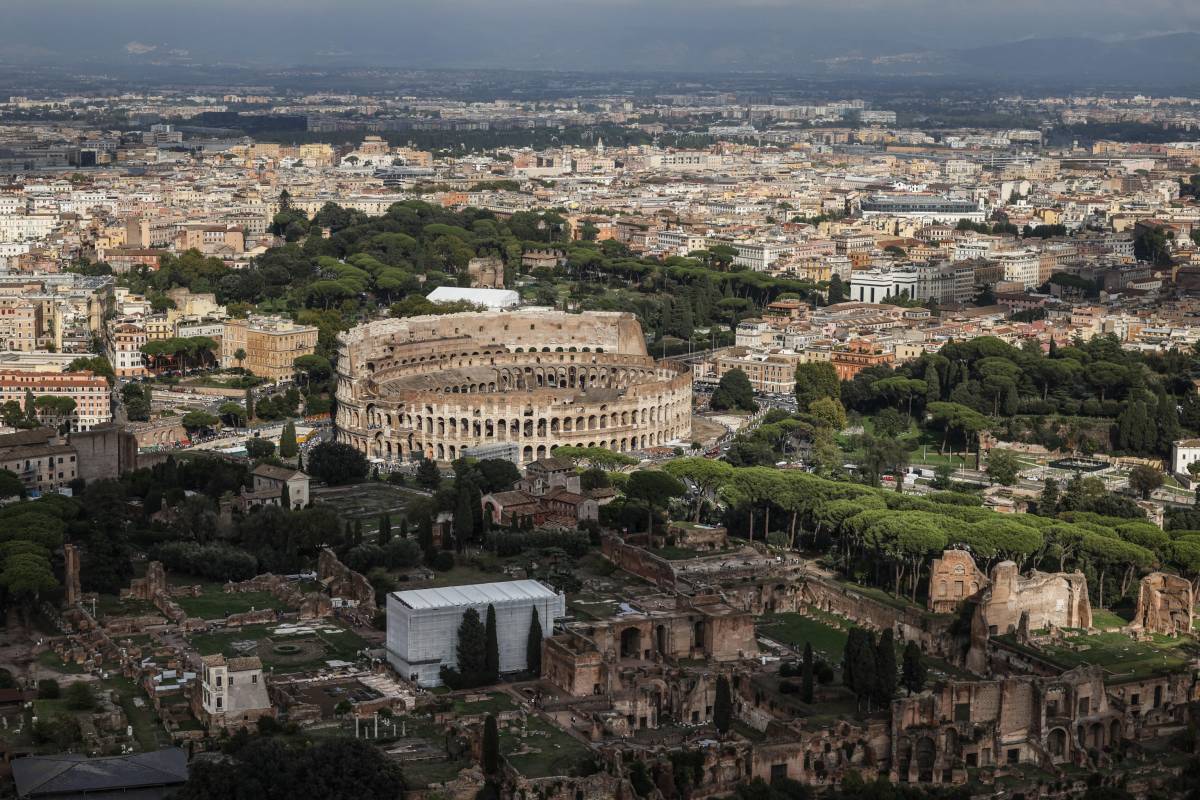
806	690
491	746
428	475
1047	505
249	403
259	448
472	647
723	706
1144	480
492	652
885	667
837	290
733	392
198	420
232	414
80	697
239	356
10	485
385	530
1003	467
815	380
913	668
654	489
336	463
288	448
705	474
285	500
533	645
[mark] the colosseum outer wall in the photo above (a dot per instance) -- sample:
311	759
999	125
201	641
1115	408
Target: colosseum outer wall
536	378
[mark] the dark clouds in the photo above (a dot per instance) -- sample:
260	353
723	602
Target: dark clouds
563	34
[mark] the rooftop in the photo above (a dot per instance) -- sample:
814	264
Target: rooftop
474	594
73	774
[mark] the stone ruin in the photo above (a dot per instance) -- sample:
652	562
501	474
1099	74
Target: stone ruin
1165	605
71	575
1014	603
155	589
310	605
350	590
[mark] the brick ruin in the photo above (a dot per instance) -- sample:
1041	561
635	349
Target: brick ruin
351	591
953	579
1165	605
1013	603
647	668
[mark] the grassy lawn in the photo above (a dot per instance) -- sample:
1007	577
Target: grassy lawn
797	630
495	703
109	605
147	728
217	604
1123	656
316	648
557	752
883	596
465	573
50	660
424	773
1103	618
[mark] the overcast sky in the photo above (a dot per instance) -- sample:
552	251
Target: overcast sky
561	34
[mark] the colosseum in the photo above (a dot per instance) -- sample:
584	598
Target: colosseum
433	386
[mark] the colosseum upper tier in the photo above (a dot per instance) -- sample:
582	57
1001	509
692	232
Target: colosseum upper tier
434	386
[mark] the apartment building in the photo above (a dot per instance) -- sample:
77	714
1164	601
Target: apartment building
271	345
125	342
773	371
34	456
21	324
90	392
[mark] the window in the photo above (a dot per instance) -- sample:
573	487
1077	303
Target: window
1014	756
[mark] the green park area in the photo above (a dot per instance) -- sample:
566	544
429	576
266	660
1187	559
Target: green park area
215	603
796	630
537	749
283	649
1122	656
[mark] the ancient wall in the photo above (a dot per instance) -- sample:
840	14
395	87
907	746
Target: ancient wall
933	634
637	561
1057	599
1165	605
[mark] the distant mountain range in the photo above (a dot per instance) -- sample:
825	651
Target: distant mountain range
1158	62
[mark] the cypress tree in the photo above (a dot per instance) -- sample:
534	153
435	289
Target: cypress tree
865	677
806	693
885	667
300	461
404	527
853	642
533	645
1169	430
385	530
722	706
358	532
914	668
249	404
472	655
287	441
491	663
491	746
285	498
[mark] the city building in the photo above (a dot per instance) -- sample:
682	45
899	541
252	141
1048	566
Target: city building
271	345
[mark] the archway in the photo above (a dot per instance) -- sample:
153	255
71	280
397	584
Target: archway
631	643
926	753
1056	743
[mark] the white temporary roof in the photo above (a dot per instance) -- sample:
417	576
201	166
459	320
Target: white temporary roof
491	298
474	594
